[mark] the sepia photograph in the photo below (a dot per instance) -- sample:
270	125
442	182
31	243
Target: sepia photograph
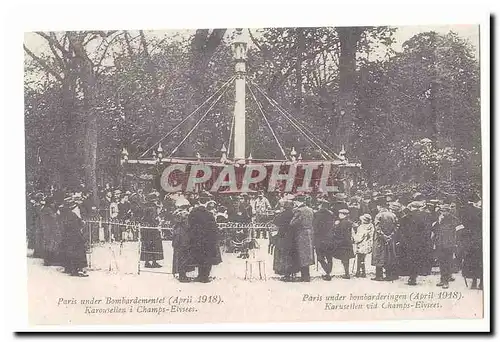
254	175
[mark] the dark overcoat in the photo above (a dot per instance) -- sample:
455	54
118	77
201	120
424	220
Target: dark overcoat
473	243
342	239
323	231
384	244
285	260
53	231
152	245
203	237
414	241
181	261
73	240
301	223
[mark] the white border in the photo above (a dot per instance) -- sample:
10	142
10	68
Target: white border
34	15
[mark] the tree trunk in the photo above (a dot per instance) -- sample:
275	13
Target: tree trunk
298	69
346	105
88	82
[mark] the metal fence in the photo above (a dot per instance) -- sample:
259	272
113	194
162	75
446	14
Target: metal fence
234	237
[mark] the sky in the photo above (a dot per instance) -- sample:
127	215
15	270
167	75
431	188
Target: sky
402	34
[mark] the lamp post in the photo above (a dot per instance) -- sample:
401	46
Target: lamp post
240	55
293	154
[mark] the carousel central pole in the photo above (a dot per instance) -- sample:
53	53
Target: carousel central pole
240	50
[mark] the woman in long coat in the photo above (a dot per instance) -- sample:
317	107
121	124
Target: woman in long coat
203	240
181	261
384	244
74	242
342	241
284	253
152	245
473	241
302	225
53	234
414	242
323	238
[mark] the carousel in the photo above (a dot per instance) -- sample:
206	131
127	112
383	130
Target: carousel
235	171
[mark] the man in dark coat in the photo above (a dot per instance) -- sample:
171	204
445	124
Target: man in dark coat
181	260
323	238
73	241
151	241
384	244
53	233
444	232
285	260
302	224
342	241
339	202
412	236
203	239
473	242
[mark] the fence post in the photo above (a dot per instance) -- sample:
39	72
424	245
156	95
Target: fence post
140	247
101	229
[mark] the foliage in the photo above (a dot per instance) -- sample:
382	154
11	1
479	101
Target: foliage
416	114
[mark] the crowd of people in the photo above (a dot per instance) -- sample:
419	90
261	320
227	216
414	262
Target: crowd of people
403	239
405	235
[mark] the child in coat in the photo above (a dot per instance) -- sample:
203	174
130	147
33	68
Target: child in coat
362	238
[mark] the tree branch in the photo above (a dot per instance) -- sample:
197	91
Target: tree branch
43	64
53	43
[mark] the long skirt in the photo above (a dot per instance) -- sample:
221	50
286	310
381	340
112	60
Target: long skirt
285	260
182	261
152	246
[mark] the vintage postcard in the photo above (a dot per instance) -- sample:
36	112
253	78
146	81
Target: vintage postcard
254	175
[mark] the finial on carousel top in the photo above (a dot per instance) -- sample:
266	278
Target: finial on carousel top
293	154
342	154
159	151
250	158
299	158
223	158
240	45
198	156
124	156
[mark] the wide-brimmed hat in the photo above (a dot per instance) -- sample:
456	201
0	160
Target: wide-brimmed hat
366	218
340	196
418	196
395	206
182	202
416	205
445	207
344	211
388	193
152	196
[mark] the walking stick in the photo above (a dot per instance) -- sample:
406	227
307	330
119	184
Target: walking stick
89	225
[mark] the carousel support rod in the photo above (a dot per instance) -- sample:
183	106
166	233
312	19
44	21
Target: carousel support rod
239	49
